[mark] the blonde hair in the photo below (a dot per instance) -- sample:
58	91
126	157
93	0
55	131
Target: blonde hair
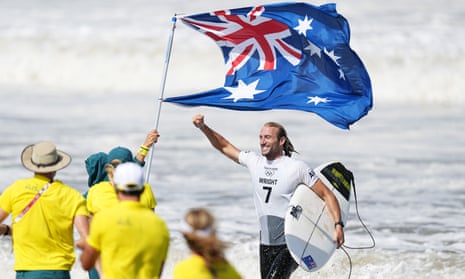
207	246
110	169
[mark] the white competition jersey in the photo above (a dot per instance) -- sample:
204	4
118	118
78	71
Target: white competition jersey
274	183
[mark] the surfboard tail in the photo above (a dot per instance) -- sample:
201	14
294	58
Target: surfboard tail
339	176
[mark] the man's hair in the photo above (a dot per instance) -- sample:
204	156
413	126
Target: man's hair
131	193
288	147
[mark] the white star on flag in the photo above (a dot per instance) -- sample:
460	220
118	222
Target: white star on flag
243	91
341	74
332	56
304	25
316	100
313	49
292	56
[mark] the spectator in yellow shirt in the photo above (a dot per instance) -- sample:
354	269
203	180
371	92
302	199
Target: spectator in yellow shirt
44	213
131	240
207	260
101	193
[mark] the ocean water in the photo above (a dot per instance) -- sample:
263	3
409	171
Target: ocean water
87	75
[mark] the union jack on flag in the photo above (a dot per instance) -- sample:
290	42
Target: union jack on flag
285	56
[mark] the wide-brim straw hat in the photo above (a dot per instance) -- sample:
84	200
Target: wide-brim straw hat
43	157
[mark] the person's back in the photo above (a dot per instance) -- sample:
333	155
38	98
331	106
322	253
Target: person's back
44	212
102	195
133	241
51	219
130	239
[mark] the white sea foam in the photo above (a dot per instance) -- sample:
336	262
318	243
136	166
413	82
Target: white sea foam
87	75
412	50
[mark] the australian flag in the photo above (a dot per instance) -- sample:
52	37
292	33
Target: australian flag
292	56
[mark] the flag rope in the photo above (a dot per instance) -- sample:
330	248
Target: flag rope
162	91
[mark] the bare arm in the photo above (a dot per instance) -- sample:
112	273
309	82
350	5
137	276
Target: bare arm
88	257
3	215
217	140
333	206
91	258
150	139
4	228
82	225
81	222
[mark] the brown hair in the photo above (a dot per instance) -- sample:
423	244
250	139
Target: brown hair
288	148
207	246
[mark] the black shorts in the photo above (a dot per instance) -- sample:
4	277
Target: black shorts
276	262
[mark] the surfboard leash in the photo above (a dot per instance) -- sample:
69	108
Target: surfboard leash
344	247
363	225
350	261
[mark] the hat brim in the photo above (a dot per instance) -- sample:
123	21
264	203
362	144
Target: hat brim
64	159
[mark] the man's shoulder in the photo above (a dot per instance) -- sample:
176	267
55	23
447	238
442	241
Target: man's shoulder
28	180
19	182
296	164
249	153
67	188
101	186
294	160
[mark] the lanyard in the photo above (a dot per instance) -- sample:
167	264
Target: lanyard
31	203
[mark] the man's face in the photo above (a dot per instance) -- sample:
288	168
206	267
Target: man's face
270	146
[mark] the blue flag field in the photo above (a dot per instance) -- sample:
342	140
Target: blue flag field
292	56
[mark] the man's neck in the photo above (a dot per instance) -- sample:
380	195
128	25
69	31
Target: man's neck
273	157
48	175
123	197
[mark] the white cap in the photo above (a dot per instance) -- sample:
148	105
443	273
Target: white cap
129	177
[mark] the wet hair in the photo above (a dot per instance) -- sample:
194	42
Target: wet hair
207	246
288	148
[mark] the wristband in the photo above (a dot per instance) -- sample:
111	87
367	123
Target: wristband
143	150
7	231
339	223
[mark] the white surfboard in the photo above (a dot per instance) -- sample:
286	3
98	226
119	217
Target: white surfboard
308	226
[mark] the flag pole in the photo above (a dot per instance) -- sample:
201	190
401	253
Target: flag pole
162	91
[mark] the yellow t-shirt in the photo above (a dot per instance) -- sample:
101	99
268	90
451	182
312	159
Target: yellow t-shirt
195	267
43	238
102	195
133	241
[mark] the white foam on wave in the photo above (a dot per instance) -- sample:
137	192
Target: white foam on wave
412	55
